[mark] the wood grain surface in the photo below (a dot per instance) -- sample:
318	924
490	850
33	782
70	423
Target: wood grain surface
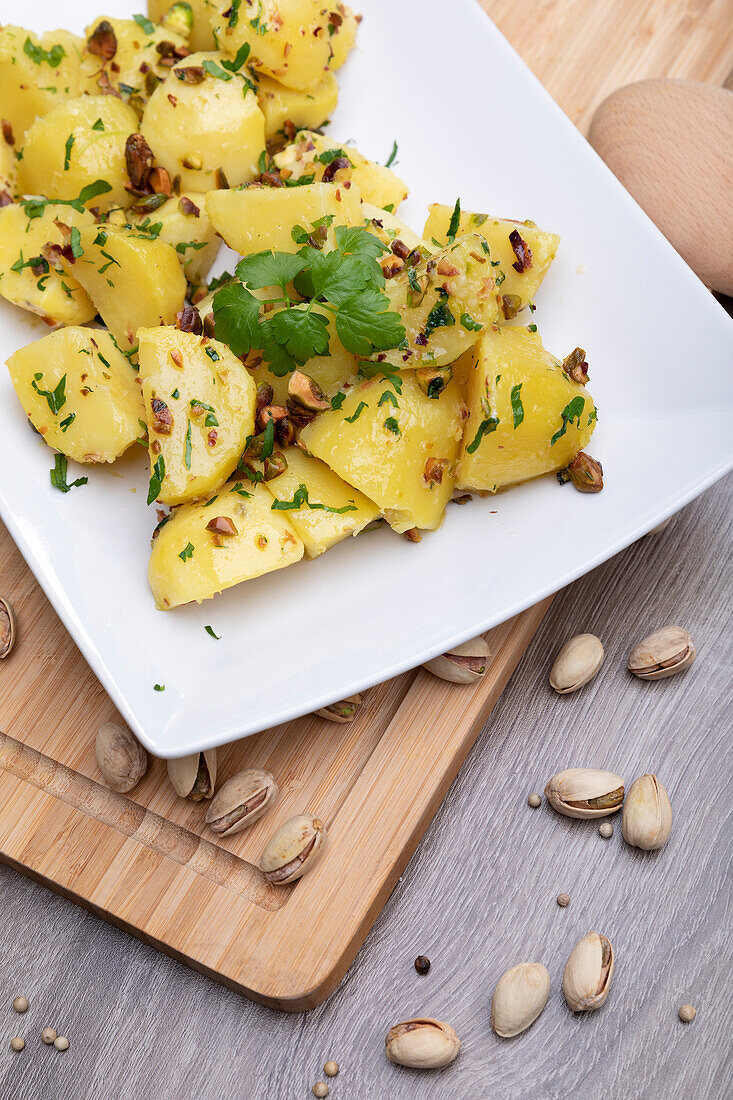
479	894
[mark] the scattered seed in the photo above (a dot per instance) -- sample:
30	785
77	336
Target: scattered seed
20	1004
534	801
48	1035
17	1043
320	1089
563	900
61	1043
422	964
331	1069
687	1013
606	830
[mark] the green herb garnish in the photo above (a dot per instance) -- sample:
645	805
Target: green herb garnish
517	407
58	475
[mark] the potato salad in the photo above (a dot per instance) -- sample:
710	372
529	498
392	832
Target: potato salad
347	370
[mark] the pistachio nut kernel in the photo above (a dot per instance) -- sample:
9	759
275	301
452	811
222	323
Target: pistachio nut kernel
576	664
306	391
194	776
464	664
520	995
7	628
587	976
344	710
121	758
585	792
241	801
662	654
293	849
422	1043
647	817
433	380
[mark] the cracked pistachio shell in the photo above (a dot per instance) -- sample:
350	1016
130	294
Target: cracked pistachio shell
464	664
344	710
520	995
588	972
121	758
194	776
293	849
577	663
422	1043
241	801
7	628
662	654
647	817
585	792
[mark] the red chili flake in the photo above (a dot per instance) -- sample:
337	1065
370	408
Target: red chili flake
8	132
102	42
162	417
187	207
421	340
221	525
144	68
521	250
212	437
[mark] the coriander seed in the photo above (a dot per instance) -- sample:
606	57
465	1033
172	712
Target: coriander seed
48	1035
20	1004
422	964
331	1069
534	801
606	830
687	1013
17	1044
563	900
61	1042
320	1089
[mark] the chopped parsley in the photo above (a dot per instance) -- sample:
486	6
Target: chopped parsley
56	399
156	479
158	687
210	420
392	425
144	23
359	410
392	159
571	412
486	427
440	316
469	324
37	54
268	440
35	205
337	400
213	354
388	397
187	448
300	500
210	631
98	125
66	424
455	222
58	475
67	151
517	407
187	552
328	156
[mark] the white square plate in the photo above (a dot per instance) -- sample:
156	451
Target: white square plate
470	120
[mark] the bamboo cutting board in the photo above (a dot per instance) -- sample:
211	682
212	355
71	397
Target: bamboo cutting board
146	861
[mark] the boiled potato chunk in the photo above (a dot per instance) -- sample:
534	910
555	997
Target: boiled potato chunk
182	222
444	302
399	450
199	406
26	279
294	41
526	416
542	245
133	281
313	154
305	110
63	152
36	74
206	130
258	218
189	561
390	228
345	511
136	64
79	393
200	36
7	172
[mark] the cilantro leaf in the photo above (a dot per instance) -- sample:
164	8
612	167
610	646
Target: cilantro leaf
236	315
365	324
269	269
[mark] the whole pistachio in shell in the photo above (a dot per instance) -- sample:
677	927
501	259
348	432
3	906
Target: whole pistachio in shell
241	801
121	758
585	792
293	849
520	995
647	817
194	776
344	710
577	663
422	1043
7	628
662	654
464	664
588	972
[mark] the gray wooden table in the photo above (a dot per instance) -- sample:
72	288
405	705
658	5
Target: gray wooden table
478	897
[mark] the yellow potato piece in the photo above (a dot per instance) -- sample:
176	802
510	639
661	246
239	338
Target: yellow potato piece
201	36
80	393
294	41
54	295
136	63
309	155
199	406
305	110
537	419
185	226
444	302
258	218
36	74
543	246
401	456
390	228
320	528
190	562
7	171
133	281
199	131
63	153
